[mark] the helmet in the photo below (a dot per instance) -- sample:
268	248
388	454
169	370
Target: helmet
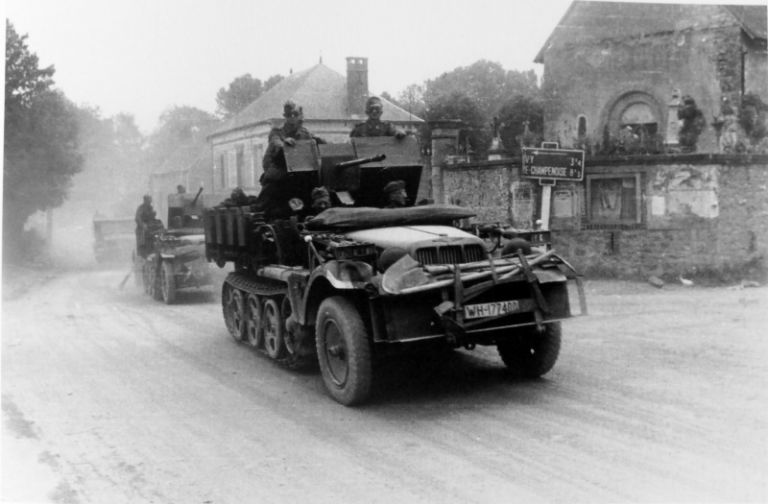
370	102
395	185
290	109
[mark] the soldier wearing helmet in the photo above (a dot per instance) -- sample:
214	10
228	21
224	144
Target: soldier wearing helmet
145	217
374	126
291	130
395	194
273	198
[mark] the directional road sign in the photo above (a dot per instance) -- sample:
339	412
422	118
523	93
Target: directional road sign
554	164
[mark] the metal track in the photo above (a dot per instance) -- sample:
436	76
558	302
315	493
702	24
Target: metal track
258	286
269	288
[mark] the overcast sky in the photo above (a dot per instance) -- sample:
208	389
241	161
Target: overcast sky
143	56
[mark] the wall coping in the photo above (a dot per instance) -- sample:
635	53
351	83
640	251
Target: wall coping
627	160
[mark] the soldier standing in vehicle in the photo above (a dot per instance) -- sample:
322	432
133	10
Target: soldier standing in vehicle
273	198
145	215
374	126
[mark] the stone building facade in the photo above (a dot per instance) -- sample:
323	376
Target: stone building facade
611	65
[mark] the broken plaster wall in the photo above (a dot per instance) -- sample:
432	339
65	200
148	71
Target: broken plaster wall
700	215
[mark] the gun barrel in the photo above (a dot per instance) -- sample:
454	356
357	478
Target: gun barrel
361	161
199	192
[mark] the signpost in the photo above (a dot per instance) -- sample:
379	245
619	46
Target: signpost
554	164
549	164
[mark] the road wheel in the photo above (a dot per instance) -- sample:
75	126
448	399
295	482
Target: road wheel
531	354
153	287
274	329
343	351
234	311
253	322
285	312
168	283
146	279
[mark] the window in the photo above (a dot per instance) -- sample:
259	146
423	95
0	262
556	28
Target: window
258	154
613	200
222	171
240	166
582	131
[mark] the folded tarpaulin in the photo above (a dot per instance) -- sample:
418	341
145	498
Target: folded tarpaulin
367	217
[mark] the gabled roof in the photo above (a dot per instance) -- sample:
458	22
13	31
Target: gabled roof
753	19
587	21
320	91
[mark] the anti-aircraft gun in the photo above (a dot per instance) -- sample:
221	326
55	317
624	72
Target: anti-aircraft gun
176	257
358	281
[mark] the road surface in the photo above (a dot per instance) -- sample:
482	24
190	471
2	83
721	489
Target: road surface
110	397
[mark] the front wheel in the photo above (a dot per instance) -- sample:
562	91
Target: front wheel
531	354
343	351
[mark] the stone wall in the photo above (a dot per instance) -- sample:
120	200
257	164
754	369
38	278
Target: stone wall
700	216
597	80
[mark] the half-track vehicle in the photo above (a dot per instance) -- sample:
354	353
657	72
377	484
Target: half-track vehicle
113	239
174	257
358	281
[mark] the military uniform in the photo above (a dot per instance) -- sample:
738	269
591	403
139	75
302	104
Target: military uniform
274	196
274	159
373	128
145	215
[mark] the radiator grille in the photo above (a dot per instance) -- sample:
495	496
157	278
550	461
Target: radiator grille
451	254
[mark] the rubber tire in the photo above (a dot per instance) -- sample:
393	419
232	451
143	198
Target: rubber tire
167	283
531	354
230	304
338	318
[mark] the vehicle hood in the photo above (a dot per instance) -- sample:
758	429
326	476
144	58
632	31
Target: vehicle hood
406	237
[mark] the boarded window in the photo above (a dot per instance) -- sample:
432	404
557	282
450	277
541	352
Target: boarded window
614	199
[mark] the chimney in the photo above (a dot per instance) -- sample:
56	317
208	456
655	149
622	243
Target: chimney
357	85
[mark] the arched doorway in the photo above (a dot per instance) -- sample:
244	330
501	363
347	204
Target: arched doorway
635	113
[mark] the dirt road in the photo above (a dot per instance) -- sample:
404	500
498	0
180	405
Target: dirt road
109	397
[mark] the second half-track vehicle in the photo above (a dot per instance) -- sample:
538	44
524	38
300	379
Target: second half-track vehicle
174	256
113	239
358	281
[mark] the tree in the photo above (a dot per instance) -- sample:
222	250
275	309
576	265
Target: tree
271	82
457	105
514	116
474	94
412	100
239	94
41	140
484	82
179	127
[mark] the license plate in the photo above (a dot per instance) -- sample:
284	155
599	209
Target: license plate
493	309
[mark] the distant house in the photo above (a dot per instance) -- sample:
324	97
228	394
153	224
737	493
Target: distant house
611	66
332	105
